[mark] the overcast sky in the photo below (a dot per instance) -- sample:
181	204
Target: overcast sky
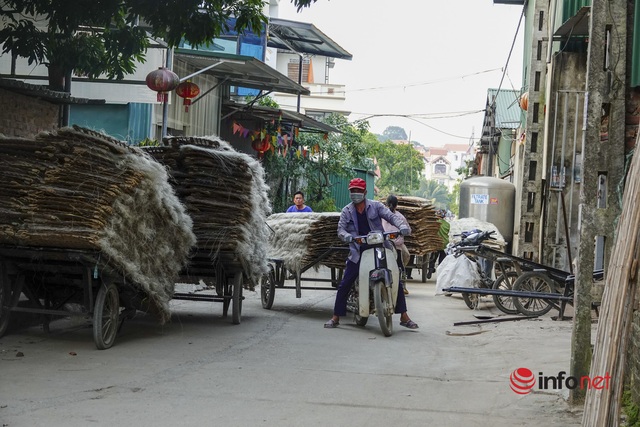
431	59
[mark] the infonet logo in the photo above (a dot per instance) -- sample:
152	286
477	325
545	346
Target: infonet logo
522	381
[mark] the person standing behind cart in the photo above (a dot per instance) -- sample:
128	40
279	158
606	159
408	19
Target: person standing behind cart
403	254
358	218
298	203
443	233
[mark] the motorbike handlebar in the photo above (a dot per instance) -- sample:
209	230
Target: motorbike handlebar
474	239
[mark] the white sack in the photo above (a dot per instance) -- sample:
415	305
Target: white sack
456	271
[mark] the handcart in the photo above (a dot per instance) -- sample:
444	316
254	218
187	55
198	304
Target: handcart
537	289
277	275
420	262
53	281
225	271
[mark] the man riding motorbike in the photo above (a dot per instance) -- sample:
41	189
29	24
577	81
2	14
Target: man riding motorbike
358	218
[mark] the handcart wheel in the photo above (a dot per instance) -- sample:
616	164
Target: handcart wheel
236	308
268	288
503	302
5	301
106	314
425	269
531	282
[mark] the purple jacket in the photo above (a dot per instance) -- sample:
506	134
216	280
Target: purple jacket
376	211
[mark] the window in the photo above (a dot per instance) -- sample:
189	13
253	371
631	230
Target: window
294	66
440	169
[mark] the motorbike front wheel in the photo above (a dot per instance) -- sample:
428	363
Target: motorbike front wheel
384	307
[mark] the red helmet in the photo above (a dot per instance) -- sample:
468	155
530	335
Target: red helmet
358	183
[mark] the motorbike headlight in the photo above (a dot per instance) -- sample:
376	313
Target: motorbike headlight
375	238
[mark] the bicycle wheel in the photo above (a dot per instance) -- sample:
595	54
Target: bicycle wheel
503	302
471	300
531	282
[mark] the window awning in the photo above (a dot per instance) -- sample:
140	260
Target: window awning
237	110
240	70
301	37
577	25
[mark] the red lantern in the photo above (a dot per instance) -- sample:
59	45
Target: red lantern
187	90
261	145
524	101
162	80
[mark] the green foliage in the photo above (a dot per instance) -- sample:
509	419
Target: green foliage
631	410
400	166
395	132
432	190
92	38
337	154
454	199
468	169
265	101
148	142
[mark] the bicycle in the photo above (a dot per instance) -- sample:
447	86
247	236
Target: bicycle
503	267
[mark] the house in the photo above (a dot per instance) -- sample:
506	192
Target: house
306	55
582	84
502	119
227	71
442	163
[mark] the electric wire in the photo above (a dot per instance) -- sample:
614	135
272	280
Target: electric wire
492	149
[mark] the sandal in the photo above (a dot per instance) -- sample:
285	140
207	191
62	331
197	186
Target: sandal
409	324
331	324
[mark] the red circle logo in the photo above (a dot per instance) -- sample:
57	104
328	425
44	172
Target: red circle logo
522	380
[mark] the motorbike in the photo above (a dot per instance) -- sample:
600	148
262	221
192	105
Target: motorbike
376	289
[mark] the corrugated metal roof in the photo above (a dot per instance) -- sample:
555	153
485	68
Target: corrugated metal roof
571	7
508	109
239	70
302	37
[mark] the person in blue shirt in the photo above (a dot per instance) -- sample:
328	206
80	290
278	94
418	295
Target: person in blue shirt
358	218
298	203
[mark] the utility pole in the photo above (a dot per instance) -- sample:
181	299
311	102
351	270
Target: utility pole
603	167
410	166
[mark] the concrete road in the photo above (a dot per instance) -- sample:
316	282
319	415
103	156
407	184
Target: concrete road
280	367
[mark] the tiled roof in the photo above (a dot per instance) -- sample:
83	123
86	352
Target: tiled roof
44	93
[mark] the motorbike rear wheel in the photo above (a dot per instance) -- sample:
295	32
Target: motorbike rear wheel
353	304
384	308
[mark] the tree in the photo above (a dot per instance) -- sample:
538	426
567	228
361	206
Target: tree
400	167
468	169
432	190
454	199
336	154
109	37
395	132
